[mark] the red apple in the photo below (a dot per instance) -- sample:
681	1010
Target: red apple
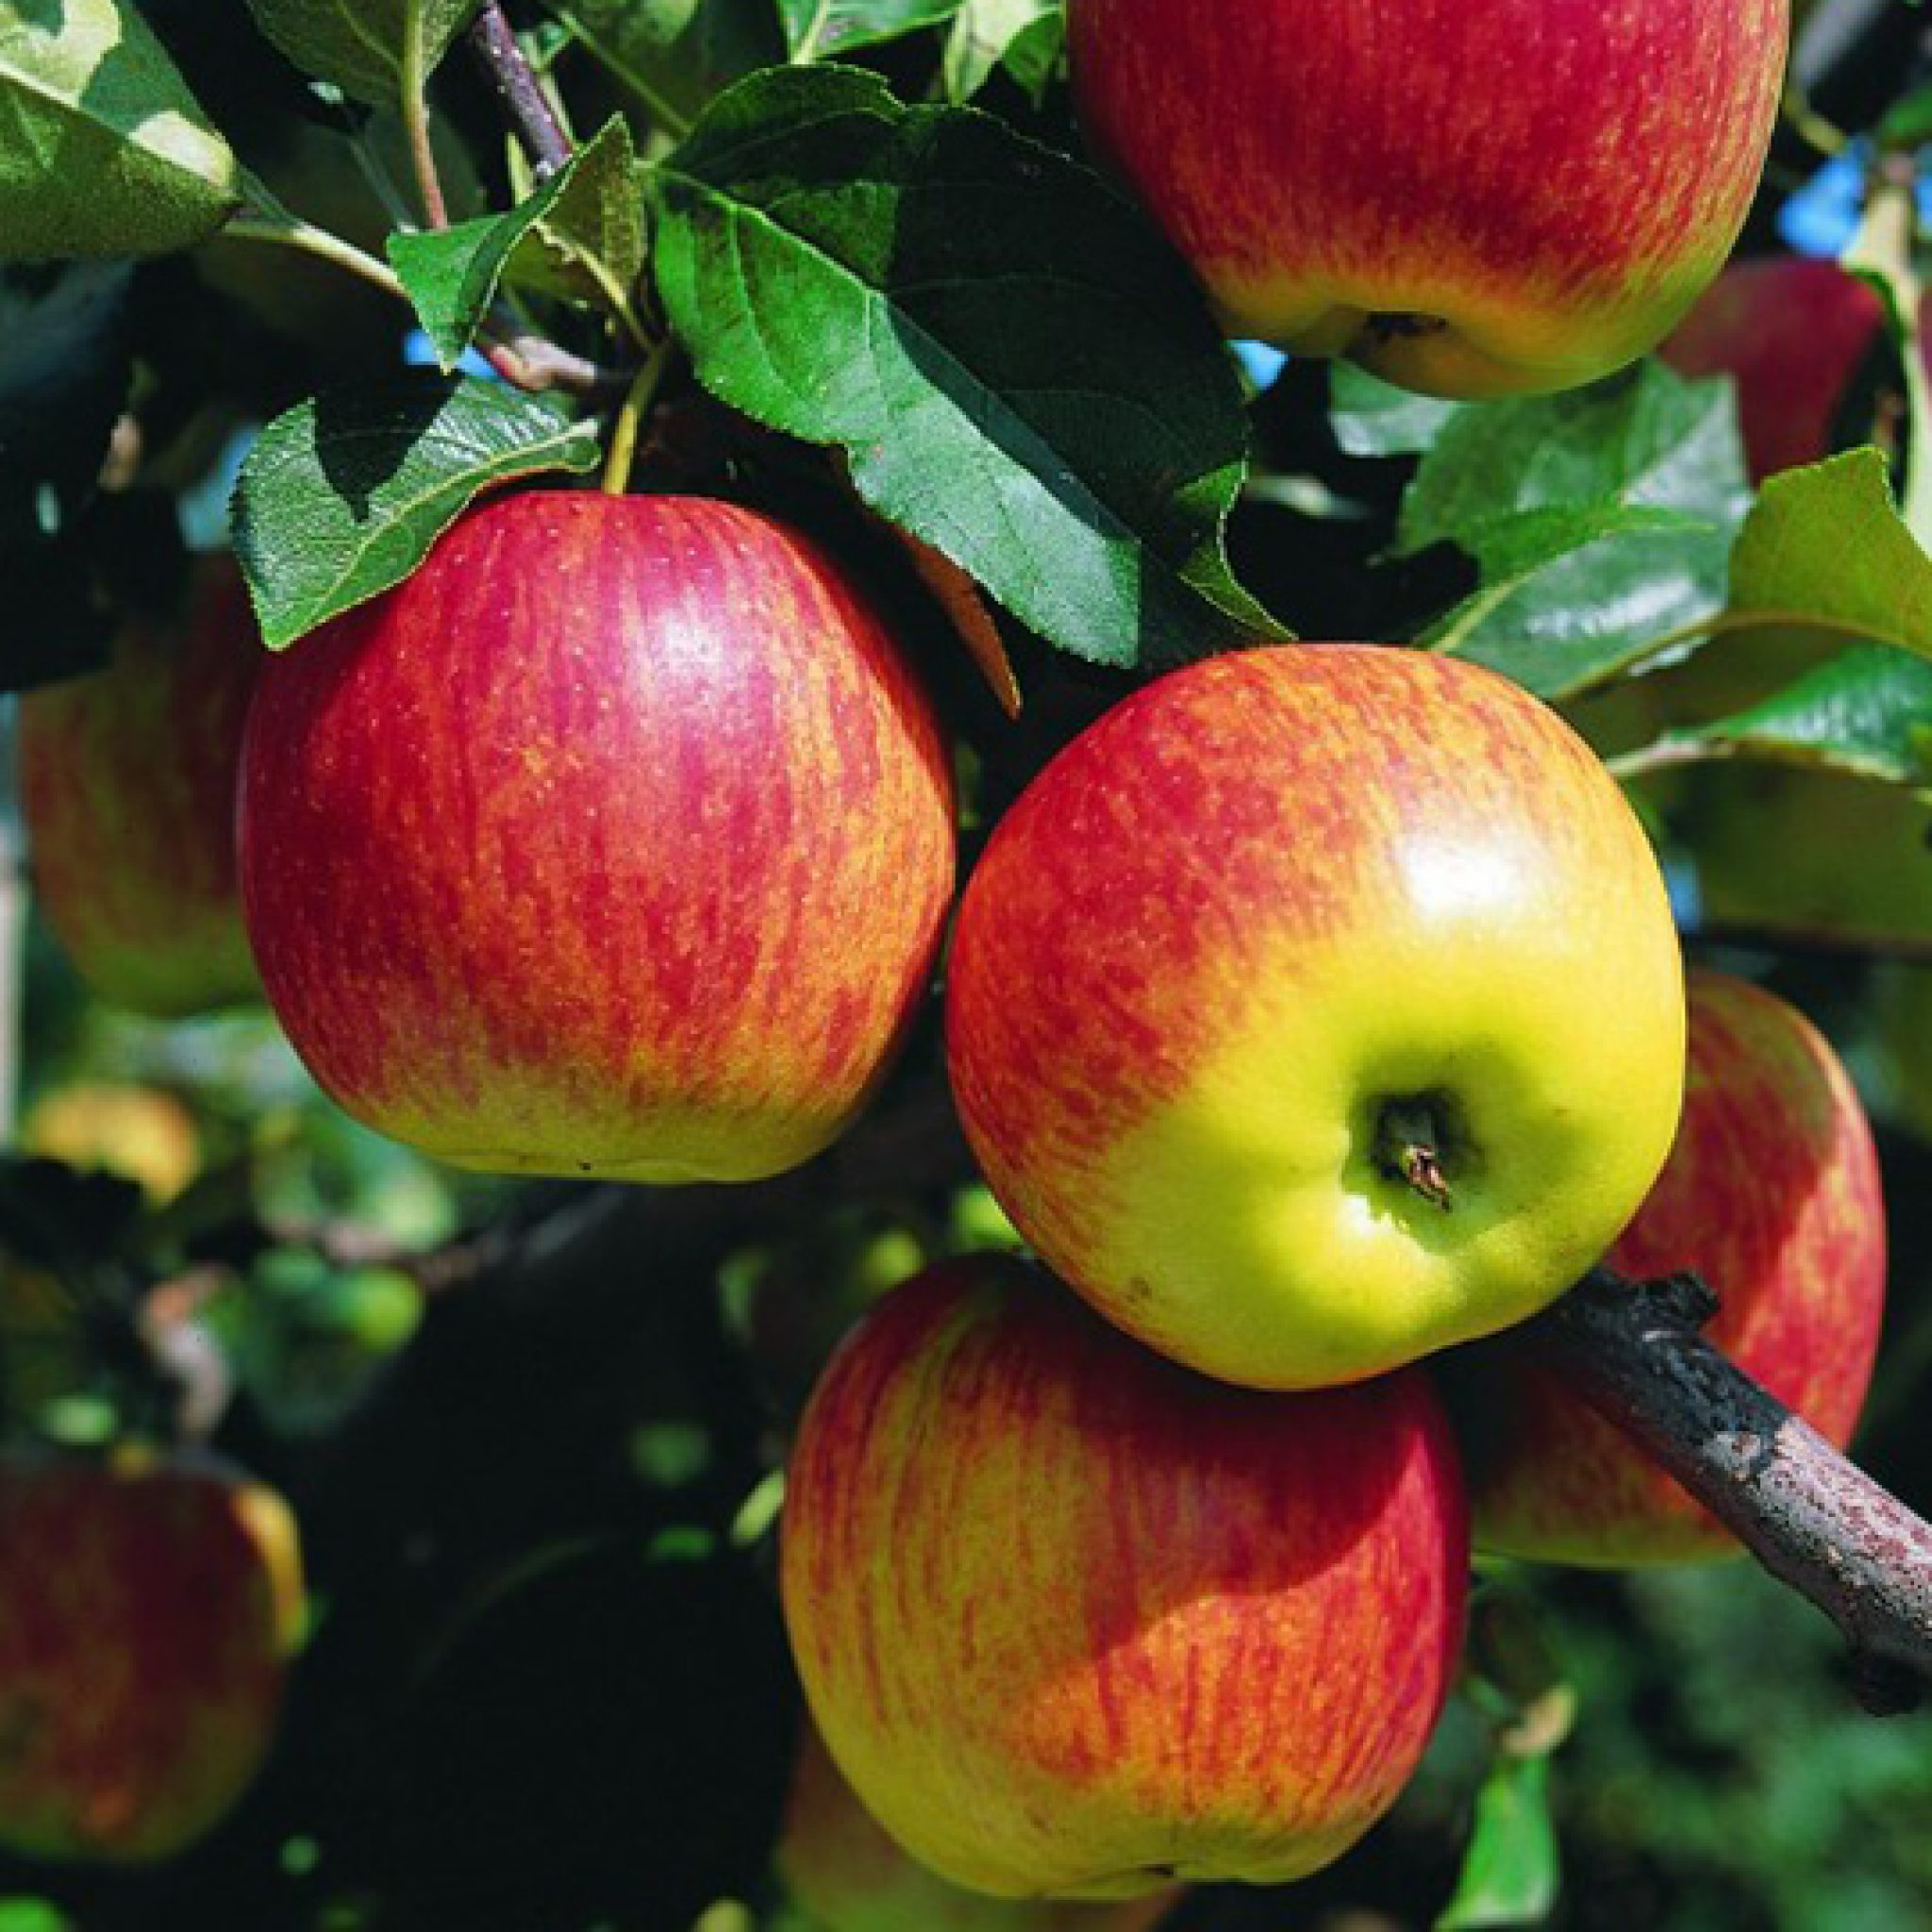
1791	332
616	840
1077	1622
146	1607
847	1873
1473	199
1772	1195
127	788
1318	1007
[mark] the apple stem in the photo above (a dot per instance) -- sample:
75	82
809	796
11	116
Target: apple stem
625	431
1408	1148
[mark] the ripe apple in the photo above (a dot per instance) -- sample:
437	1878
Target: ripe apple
1488	198
1791	332
1317	1008
617	841
146	1608
127	790
847	1873
1772	1195
1077	1622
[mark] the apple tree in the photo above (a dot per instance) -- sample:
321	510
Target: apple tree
965	965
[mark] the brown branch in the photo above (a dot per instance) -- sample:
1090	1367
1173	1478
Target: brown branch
1817	1523
494	44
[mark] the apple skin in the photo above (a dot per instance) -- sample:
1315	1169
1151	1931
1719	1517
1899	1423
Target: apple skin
1472	198
848	1874
1079	1622
1772	1195
616	840
128	788
146	1611
1252	907
1791	332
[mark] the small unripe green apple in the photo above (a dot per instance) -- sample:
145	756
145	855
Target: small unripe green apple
1772	1195
1077	1622
128	788
616	840
1470	197
146	1608
1318	1007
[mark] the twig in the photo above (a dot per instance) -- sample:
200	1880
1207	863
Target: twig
1634	1352
494	44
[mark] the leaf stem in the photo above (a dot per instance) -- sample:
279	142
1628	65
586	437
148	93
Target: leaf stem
415	111
291	231
630	416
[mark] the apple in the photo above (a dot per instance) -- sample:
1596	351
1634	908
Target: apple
616	840
1077	1622
847	1873
147	1606
1489	198
1772	1195
1318	1007
1792	333
127	791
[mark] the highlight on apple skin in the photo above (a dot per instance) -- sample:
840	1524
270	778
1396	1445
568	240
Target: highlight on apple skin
847	1873
1077	1622
1472	198
1772	1195
1353	1016
127	782
146	1611
617	841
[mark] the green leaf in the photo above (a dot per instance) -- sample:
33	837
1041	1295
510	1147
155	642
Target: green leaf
1865	712
1374	418
817	29
452	273
363	46
1825	548
1510	1872
1017	369
675	55
343	497
1602	522
32	1915
102	149
1025	37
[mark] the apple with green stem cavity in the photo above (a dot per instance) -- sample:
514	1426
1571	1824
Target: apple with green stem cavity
148	1606
1470	197
616	840
1318	1007
1771	1195
1077	1622
848	1874
127	790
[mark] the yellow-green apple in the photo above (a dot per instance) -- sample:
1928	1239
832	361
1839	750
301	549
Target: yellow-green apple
147	1608
1471	197
1771	1195
848	1874
1792	333
127	790
1077	1622
617	840
1317	1008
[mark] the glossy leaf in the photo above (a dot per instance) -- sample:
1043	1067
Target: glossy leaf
1509	1871
363	46
1024	36
821	29
850	271
344	495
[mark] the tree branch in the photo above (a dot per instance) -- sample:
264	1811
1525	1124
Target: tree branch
494	44
1634	1352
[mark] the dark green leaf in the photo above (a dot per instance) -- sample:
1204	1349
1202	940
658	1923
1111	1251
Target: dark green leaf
102	149
818	30
1510	1870
1374	418
1647	472
344	495
363	46
1017	369
1825	548
675	55
452	273
1024	36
